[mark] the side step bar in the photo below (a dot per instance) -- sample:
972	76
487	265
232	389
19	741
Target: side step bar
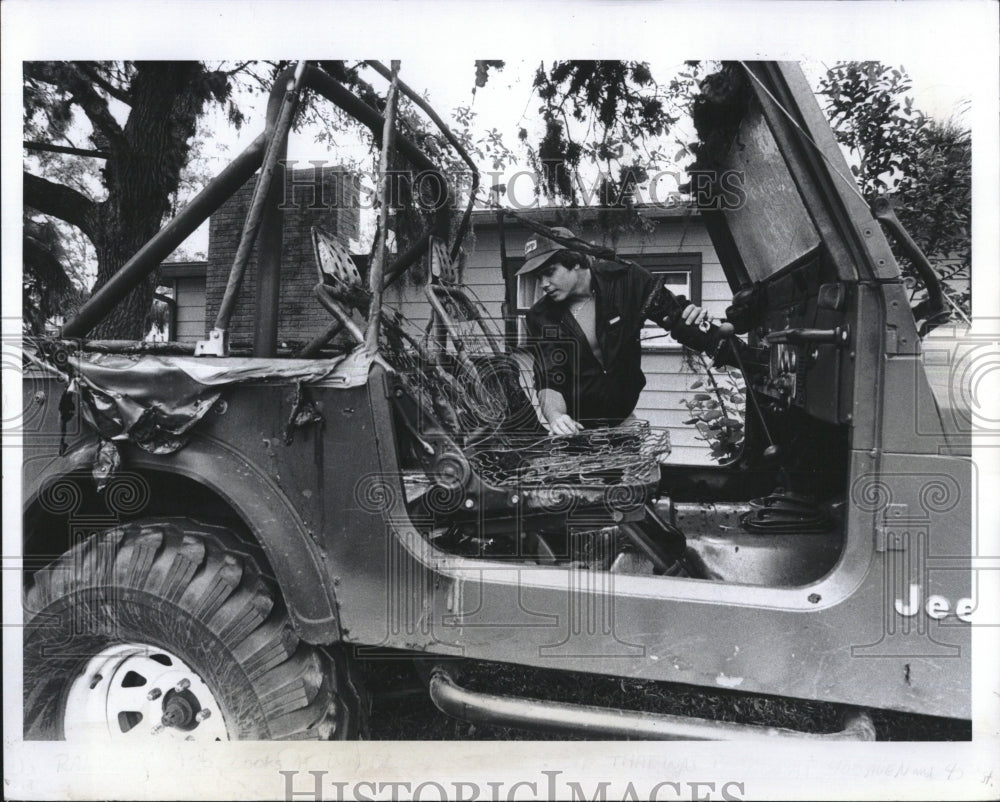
603	722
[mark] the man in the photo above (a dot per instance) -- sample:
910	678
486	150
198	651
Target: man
585	332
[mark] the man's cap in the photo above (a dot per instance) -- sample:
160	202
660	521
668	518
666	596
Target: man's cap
539	249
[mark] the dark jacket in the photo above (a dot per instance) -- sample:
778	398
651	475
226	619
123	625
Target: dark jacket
596	394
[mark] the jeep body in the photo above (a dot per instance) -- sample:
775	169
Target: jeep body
869	611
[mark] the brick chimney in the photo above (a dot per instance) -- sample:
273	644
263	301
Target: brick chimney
323	196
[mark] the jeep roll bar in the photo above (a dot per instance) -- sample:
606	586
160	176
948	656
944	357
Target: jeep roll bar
269	148
150	255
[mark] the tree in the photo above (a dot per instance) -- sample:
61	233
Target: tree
142	116
611	118
620	106
141	160
139	120
925	165
632	118
47	289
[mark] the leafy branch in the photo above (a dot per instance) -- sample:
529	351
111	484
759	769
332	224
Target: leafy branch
719	416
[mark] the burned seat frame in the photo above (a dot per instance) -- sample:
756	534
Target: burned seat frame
490	466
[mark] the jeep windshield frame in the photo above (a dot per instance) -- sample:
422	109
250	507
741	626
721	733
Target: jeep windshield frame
799	195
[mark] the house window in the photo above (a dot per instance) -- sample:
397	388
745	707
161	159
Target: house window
188	320
680	271
528	292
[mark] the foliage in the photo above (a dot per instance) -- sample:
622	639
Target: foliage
619	103
872	114
621	100
612	116
717	111
924	164
488	144
718	415
934	202
58	257
47	289
138	120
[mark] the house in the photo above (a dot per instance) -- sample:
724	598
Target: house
186	282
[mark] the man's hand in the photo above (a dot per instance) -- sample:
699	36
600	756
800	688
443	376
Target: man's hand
695	316
554	411
698	317
694	329
564	424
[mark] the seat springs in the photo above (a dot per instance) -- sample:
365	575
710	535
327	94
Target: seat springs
594	457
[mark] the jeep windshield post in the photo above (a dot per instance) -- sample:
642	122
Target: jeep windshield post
933	309
237	532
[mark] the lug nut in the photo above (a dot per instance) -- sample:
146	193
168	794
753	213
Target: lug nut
202	714
183	685
189	738
154	694
158	729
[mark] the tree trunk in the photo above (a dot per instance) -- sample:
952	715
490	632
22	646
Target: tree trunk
166	100
127	320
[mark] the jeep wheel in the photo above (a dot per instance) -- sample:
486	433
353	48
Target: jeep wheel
168	628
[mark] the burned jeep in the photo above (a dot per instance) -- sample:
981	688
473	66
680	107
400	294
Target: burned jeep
214	539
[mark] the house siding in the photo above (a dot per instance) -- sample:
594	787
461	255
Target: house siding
186	281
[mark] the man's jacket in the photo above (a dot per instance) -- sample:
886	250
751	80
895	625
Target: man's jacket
597	393
604	393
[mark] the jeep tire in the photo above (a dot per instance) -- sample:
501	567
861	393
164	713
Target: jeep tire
168	627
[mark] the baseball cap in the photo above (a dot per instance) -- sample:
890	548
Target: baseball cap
539	249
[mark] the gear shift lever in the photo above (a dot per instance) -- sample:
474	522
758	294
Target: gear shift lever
772	452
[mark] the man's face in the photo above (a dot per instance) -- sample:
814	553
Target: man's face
557	281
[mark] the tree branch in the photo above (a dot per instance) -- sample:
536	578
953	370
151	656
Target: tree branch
60	201
235	70
68	76
48	269
115	91
46	147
